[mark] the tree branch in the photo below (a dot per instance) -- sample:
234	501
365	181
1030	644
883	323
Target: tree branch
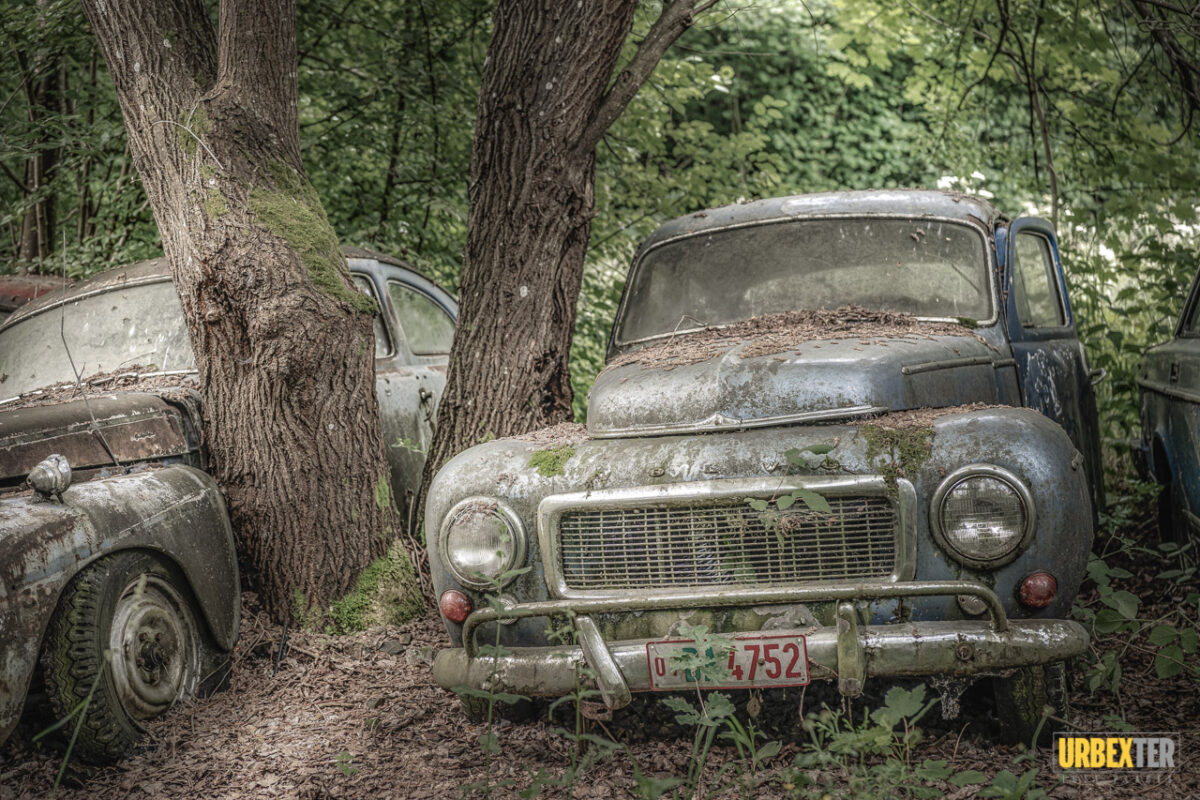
676	17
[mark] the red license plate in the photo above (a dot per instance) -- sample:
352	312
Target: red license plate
754	660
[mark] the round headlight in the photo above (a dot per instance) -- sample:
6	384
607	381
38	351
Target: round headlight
982	514
481	540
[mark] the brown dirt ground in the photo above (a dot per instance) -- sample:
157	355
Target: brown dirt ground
359	717
777	333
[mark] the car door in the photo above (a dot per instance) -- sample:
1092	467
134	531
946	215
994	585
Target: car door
1052	367
1170	379
418	320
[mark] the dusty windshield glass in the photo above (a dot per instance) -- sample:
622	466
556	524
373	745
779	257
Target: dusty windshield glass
922	267
136	326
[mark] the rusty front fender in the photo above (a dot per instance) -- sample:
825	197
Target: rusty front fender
176	511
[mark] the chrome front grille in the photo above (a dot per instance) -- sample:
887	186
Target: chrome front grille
719	540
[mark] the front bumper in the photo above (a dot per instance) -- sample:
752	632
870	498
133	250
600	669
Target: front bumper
847	651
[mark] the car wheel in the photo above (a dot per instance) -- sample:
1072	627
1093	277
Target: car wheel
1023	698
123	647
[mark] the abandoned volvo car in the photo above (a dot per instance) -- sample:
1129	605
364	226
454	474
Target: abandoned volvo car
117	564
854	434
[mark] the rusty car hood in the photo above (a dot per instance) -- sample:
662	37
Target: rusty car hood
814	381
132	426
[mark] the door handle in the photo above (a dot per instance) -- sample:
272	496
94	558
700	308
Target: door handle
1174	376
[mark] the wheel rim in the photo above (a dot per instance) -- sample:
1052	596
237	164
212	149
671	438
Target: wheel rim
153	646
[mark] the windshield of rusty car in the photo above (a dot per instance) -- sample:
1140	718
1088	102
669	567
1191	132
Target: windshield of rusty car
923	267
139	326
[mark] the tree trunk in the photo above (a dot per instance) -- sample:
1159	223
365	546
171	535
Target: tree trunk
43	81
282	339
543	107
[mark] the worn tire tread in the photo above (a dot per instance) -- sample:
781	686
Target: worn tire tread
73	658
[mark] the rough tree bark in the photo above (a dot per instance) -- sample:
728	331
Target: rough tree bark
282	339
545	102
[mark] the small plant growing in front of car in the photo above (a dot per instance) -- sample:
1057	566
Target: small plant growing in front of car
485	699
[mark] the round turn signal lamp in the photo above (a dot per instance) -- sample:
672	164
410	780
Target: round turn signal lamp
455	606
1038	590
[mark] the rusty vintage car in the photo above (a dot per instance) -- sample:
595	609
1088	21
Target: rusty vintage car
1168	451
117	565
854	433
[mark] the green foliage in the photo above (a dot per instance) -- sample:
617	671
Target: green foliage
382	595
904	449
551	462
292	211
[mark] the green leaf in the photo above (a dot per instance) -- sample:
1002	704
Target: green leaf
1124	602
930	770
1188	640
758	505
768	750
813	500
489	743
1168	662
786	501
970	777
1163	634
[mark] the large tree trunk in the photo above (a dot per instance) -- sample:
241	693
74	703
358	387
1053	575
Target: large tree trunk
543	106
282	339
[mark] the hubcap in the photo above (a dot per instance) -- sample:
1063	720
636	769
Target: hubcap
153	646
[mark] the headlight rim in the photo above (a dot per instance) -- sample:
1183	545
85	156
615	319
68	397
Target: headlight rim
515	526
985	471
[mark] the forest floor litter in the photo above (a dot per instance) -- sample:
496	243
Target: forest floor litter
359	717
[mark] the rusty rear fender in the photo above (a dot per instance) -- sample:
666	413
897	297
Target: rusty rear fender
175	511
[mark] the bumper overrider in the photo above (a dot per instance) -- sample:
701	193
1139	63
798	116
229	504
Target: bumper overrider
847	651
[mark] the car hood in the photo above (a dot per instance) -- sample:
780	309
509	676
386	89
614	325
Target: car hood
815	380
91	432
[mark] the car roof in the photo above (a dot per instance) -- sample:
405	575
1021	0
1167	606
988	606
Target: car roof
153	270
882	202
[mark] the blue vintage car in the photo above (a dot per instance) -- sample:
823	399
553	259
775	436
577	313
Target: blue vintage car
1169	450
853	433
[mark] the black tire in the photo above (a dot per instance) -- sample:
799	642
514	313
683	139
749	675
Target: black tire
123	647
1171	524
1024	697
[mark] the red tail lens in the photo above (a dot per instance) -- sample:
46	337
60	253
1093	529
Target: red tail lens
1038	590
454	605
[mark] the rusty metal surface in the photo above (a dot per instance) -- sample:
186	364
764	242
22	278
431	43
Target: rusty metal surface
912	203
919	649
681	430
131	427
17	290
1020	440
1169	378
841	378
175	511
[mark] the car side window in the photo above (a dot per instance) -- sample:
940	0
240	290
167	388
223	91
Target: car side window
426	325
1035	289
1192	328
383	345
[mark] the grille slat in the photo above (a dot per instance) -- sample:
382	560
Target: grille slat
725	542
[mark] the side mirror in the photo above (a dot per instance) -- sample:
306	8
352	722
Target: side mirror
50	478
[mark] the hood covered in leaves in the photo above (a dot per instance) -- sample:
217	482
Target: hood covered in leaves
791	368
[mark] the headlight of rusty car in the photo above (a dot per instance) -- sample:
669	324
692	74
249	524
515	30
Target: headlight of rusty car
982	515
481	539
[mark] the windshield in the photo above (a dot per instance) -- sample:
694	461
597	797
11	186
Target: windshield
134	326
922	267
